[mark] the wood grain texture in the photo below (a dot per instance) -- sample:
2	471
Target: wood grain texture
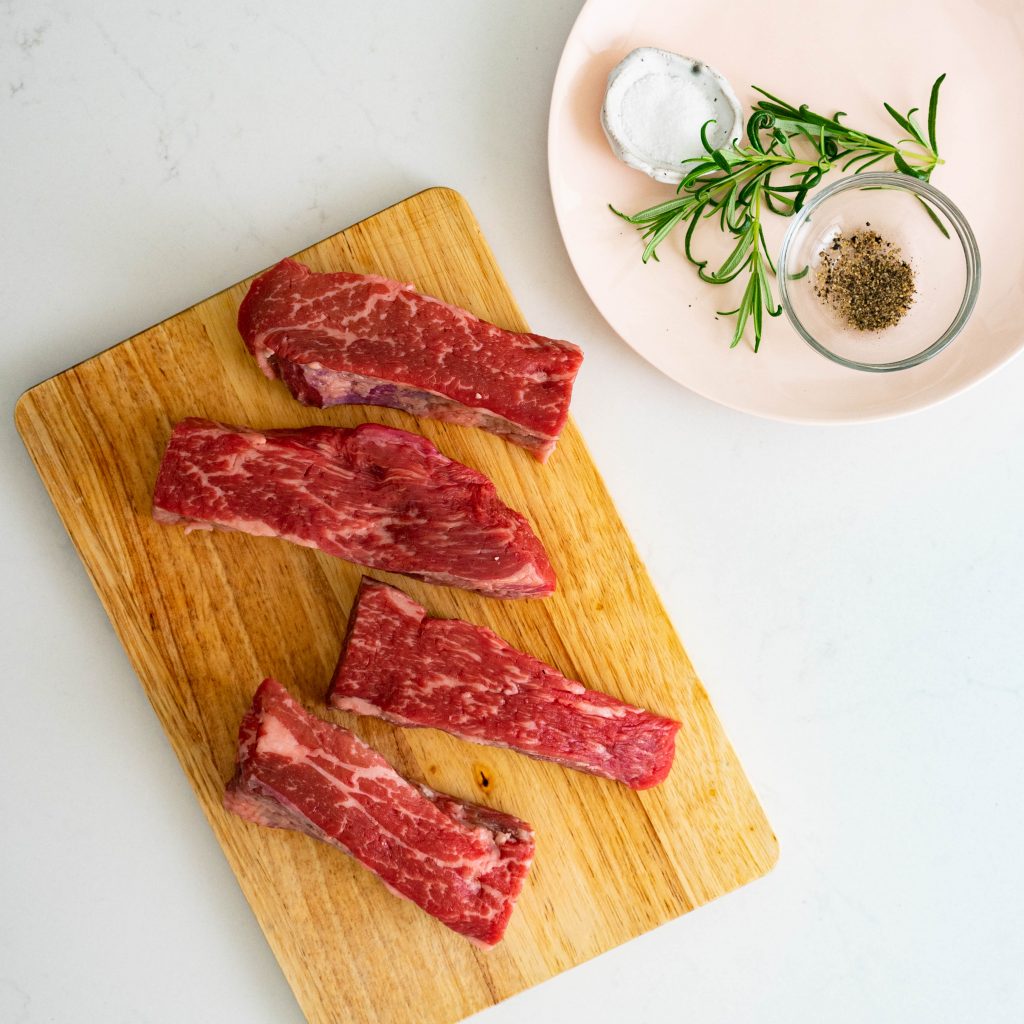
205	617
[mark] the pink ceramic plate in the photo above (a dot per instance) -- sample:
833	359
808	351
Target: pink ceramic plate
833	56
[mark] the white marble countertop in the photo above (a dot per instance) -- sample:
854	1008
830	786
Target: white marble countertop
851	596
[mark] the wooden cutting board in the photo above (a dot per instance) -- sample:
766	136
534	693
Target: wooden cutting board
205	617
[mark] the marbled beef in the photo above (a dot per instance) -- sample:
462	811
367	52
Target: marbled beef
358	339
460	862
373	495
401	665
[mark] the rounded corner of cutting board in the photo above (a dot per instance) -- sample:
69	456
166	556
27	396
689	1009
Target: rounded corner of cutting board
434	195
21	413
444	192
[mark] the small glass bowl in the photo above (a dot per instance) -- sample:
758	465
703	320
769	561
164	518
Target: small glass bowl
947	271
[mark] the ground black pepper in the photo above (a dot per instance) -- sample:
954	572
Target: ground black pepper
865	280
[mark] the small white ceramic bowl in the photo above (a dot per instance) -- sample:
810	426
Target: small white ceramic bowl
655	106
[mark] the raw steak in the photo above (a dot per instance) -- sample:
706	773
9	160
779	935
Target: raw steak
357	339
462	863
400	665
373	495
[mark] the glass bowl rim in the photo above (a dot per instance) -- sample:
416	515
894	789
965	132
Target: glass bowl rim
905	183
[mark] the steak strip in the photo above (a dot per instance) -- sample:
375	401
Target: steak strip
460	862
412	670
374	495
358	339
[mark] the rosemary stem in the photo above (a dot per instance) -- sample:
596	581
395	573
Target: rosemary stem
735	183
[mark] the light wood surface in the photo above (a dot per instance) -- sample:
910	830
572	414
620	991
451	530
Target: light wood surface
205	617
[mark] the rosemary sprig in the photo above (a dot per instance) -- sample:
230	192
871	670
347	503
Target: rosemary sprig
736	183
